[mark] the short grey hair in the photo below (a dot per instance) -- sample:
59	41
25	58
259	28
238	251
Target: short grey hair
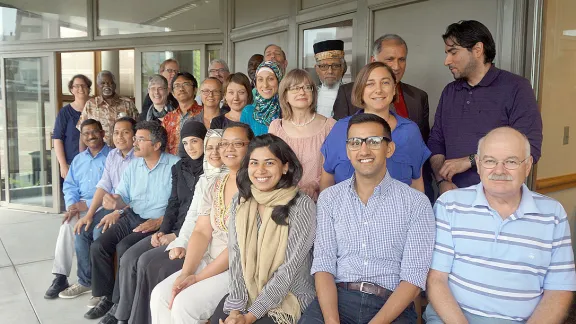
157	79
221	61
377	47
103	73
527	148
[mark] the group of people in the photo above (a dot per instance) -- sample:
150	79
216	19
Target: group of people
268	198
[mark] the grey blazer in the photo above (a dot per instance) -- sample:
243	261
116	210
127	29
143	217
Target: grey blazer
416	104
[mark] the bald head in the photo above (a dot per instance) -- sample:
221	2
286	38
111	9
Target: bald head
506	138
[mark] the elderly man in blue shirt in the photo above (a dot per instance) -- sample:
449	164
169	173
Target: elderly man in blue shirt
86	231
503	253
79	187
374	237
140	201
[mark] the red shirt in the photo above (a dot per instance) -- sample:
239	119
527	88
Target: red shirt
400	104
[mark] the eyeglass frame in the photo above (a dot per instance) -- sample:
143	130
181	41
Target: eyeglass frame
225	145
364	141
207	92
333	66
503	164
140	140
219	71
296	89
176	86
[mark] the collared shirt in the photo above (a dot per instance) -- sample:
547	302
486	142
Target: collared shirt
66	131
113	169
173	122
499	268
326	98
465	114
404	165
85	172
388	240
106	113
147	191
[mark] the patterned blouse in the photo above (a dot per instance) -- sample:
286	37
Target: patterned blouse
98	109
214	206
173	122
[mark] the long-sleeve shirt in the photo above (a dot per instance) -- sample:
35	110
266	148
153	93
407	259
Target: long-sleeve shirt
147	190
292	276
85	172
113	169
465	114
191	215
388	240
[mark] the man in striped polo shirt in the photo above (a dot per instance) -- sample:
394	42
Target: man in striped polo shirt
503	253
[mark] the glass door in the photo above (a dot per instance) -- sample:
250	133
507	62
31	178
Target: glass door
148	60
30	173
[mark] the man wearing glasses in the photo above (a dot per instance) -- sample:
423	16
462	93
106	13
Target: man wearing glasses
330	68
79	188
218	69
168	69
503	253
141	199
374	238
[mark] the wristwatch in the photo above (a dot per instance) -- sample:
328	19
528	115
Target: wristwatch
472	158
121	211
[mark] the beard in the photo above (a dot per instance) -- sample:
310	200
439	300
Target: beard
467	71
331	85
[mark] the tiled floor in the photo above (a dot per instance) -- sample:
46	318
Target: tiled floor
26	251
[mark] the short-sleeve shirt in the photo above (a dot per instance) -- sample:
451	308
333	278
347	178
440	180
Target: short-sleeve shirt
106	113
499	268
404	165
66	131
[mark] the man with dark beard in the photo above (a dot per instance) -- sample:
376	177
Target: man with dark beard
107	107
481	98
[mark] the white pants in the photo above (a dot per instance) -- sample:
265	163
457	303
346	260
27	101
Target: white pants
64	252
193	305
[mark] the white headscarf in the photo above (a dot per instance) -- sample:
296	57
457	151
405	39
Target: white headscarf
209	170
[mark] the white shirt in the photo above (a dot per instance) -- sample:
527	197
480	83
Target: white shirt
326	98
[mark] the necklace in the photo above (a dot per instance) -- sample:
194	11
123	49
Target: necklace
305	123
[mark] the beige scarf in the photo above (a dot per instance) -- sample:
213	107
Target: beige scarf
263	250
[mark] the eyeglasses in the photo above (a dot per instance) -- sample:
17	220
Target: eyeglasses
223	145
140	139
219	71
325	67
207	92
182	85
80	86
296	89
509	164
157	89
372	142
88	133
172	71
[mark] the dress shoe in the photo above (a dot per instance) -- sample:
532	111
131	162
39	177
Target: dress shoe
104	305
108	319
59	284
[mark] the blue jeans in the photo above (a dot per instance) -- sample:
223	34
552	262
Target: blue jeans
432	317
82	244
355	307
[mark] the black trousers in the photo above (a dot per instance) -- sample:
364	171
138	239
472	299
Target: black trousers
153	267
219	314
117	238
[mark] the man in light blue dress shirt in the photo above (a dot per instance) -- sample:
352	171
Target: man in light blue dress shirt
503	253
374	237
85	229
140	199
79	187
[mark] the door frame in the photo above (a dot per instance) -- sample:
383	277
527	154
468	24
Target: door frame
56	190
138	64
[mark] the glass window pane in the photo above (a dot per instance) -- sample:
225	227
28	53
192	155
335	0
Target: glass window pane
46	19
2	150
30	109
119	17
126	77
342	31
77	63
189	61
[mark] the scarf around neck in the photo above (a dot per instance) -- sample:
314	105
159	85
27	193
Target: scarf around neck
155	114
263	249
266	110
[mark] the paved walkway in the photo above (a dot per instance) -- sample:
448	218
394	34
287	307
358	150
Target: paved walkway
26	252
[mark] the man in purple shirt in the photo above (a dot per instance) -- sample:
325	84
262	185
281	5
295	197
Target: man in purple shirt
481	98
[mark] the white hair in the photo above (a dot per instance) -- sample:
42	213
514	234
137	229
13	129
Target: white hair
526	142
157	79
221	61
